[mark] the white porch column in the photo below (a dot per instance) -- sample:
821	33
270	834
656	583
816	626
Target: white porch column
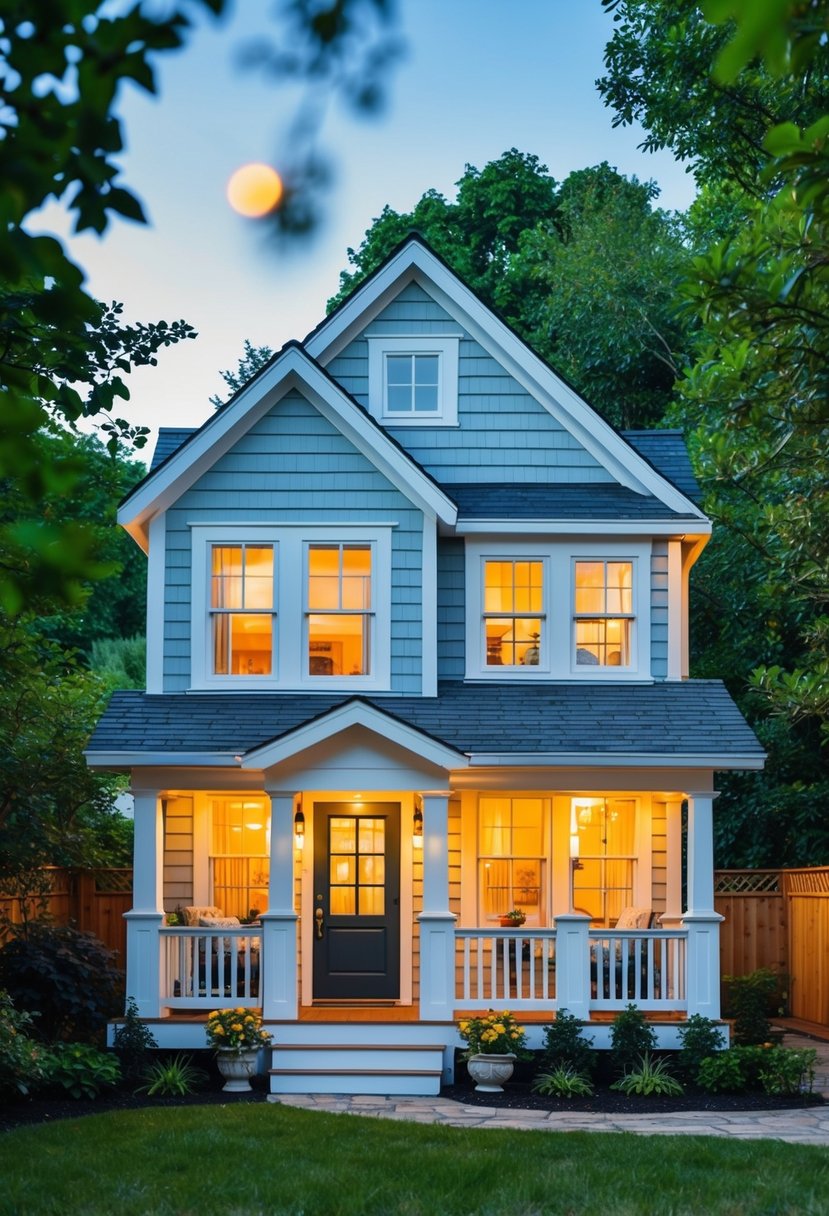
278	973
573	964
146	915
437	923
701	920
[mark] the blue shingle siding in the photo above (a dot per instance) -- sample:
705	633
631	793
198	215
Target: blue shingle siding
294	465
451	610
659	610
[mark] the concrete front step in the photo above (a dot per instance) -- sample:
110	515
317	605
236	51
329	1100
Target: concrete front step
356	1068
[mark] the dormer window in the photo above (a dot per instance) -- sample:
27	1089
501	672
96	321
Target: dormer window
603	613
414	381
513	608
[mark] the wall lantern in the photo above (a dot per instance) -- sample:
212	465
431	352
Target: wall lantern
299	829
417	829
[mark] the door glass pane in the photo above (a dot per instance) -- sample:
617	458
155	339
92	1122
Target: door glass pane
372	901
372	835
343	901
343	837
372	871
341	870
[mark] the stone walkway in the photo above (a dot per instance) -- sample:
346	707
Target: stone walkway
802	1126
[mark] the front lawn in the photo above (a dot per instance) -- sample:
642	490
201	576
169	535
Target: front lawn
253	1160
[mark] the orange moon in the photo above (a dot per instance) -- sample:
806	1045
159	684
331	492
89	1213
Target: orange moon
254	190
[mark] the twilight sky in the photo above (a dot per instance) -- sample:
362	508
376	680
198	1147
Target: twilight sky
479	77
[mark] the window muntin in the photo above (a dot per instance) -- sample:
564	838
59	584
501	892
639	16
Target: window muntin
357	866
511	857
239	854
513	612
241	609
603	604
412	384
603	882
339	610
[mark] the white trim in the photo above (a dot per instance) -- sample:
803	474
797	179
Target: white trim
429	610
353	713
156	602
290	370
445	347
676	606
414	263
289	612
587	527
558	651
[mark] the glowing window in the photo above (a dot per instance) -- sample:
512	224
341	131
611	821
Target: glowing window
513	618
603	881
511	857
603	613
239	855
241	609
339	610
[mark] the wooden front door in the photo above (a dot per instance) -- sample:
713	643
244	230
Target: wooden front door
356	901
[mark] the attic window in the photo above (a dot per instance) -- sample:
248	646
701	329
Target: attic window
414	381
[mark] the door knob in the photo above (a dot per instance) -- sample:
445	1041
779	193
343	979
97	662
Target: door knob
318	917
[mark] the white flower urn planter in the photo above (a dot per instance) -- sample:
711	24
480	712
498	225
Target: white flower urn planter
490	1072
237	1067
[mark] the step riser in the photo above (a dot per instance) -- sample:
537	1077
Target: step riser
357	1034
389	1058
332	1084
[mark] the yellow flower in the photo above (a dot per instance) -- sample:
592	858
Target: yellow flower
237	1026
498	1028
219	1029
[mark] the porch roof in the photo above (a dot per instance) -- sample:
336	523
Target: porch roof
687	722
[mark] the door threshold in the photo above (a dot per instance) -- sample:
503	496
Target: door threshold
354	1003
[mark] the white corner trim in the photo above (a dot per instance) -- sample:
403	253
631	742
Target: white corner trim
354	713
156	599
429	610
413	262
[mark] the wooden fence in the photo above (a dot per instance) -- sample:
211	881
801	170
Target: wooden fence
779	919
92	900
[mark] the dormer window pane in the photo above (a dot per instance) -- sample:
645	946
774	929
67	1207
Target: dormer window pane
412	383
513	600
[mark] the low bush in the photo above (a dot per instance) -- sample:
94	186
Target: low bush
776	1070
649	1077
67	977
81	1070
22	1063
566	1046
173	1077
132	1043
788	1070
749	1001
700	1038
631	1038
563	1082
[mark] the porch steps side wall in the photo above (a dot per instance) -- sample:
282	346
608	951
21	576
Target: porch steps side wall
349	1058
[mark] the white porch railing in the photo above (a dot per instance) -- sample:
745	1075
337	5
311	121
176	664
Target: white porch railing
204	968
507	966
646	967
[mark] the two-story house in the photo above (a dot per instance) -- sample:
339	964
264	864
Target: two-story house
417	657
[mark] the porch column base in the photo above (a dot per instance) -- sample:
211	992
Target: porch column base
278	970
703	963
437	966
144	961
573	964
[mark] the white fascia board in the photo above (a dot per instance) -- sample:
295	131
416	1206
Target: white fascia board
415	263
291	370
619	760
587	527
354	713
132	759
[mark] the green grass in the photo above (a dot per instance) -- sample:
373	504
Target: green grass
249	1160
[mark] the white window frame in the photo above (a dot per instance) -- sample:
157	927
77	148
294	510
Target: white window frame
289	669
445	346
557	658
603	616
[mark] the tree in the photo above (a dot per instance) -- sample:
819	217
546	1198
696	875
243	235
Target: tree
583	271
252	360
755	395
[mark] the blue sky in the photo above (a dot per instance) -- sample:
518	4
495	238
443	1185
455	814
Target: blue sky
479	77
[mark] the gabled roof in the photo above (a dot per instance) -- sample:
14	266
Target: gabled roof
292	368
687	723
414	261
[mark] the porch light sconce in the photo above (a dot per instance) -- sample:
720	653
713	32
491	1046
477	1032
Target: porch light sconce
417	829
299	829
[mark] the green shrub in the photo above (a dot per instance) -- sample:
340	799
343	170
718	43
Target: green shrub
732	1071
82	1070
565	1046
788	1070
649	1077
172	1078
700	1038
22	1062
565	1081
749	1002
132	1043
67	977
631	1038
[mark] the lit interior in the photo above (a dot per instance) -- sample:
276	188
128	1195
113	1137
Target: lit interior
606	589
241	600
339	602
513	600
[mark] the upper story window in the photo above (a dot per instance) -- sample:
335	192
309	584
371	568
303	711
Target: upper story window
603	613
513	612
557	609
339	610
291	606
414	381
241	609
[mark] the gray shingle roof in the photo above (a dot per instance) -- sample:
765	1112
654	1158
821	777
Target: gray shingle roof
667	452
682	718
170	439
595	500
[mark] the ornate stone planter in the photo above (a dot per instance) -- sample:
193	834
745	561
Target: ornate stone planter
490	1072
237	1067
